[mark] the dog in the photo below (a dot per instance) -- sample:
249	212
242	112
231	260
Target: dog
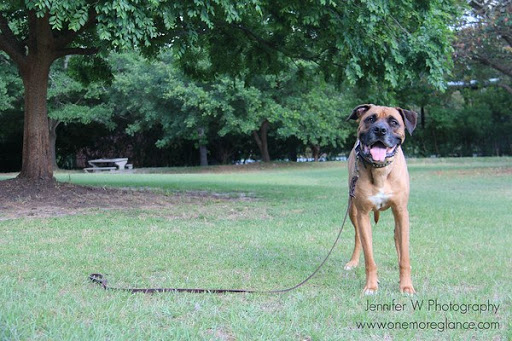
378	180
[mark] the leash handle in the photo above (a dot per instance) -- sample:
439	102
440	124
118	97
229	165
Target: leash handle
101	280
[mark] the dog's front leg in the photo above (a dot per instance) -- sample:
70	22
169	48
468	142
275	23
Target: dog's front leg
365	235
402	248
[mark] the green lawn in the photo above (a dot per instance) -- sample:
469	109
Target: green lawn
461	214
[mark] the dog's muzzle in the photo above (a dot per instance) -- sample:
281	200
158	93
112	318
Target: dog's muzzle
378	144
378	151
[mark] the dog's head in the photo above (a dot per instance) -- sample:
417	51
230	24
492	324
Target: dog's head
382	130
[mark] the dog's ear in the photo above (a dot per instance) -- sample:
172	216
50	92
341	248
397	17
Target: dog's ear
359	111
410	119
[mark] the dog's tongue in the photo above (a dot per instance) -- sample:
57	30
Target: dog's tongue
378	153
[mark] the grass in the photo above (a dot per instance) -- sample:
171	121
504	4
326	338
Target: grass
460	247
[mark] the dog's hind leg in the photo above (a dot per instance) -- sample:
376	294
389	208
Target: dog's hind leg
354	260
402	248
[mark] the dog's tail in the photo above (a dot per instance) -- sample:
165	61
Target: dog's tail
376	215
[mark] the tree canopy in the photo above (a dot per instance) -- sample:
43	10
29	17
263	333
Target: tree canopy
387	43
484	42
156	93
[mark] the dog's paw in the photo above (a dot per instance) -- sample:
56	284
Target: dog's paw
370	290
350	265
407	289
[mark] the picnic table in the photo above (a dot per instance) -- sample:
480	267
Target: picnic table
100	165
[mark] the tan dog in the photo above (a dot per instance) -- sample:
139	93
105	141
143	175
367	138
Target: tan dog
383	182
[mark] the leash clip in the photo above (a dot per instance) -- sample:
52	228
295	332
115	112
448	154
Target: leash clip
99	279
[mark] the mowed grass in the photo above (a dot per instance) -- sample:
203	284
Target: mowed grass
277	227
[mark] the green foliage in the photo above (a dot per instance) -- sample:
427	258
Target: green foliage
83	114
317	118
71	101
11	116
10	84
269	50
388	43
157	94
89	69
315	110
484	40
125	24
466	122
248	107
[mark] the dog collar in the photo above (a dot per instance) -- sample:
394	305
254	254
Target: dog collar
367	160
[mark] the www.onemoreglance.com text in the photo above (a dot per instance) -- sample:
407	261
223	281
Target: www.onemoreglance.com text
424	325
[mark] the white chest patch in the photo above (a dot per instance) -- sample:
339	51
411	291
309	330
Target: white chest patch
380	199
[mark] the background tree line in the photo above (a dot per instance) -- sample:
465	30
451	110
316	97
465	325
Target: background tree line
231	99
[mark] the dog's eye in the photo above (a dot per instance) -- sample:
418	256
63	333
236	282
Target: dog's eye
393	122
370	119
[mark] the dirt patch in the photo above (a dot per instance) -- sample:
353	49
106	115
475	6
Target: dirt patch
20	198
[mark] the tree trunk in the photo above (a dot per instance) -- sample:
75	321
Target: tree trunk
36	156
422	117
436	147
261	140
33	56
203	151
52	125
316	152
203	156
223	153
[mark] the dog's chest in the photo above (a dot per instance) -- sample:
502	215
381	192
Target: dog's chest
381	198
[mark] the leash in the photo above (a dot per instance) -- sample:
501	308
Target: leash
101	280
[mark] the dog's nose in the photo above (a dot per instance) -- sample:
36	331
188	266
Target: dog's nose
379	130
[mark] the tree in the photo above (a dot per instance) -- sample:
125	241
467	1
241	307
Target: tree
74	100
359	41
35	33
248	111
155	93
314	110
388	42
485	38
